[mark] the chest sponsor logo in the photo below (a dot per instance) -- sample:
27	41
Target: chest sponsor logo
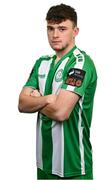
58	76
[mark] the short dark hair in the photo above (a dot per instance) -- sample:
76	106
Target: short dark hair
62	12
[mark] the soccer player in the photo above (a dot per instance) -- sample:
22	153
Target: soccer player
61	89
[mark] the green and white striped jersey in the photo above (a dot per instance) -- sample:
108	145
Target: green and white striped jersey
64	148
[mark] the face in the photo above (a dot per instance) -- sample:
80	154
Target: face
62	36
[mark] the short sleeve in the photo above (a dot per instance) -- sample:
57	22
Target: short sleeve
78	80
33	77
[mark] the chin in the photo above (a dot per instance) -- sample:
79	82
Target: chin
57	48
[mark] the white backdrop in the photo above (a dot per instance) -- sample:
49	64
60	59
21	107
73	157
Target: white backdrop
22	40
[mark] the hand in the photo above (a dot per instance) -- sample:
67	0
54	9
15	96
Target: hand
35	93
51	98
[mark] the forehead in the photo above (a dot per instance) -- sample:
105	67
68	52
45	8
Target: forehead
66	23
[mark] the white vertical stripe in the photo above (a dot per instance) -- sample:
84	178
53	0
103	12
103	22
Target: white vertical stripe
43	71
62	154
58	149
80	129
39	143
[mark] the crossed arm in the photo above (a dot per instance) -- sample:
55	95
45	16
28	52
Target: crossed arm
57	107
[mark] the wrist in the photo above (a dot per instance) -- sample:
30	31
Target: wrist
50	99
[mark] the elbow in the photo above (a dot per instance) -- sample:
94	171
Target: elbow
20	108
62	116
25	108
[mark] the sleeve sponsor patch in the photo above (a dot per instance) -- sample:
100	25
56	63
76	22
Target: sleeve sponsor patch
75	77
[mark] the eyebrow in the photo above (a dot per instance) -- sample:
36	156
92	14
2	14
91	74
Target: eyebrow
51	26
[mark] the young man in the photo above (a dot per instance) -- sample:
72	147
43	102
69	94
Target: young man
61	89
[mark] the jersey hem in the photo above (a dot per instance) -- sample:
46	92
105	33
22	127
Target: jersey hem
65	174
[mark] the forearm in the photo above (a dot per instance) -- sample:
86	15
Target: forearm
54	112
29	104
61	109
50	111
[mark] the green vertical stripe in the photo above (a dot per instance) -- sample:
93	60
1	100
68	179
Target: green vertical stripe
47	146
71	143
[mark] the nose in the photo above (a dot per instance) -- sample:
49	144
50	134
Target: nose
55	33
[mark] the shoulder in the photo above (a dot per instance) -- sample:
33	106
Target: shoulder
89	62
46	57
85	62
83	57
89	67
42	58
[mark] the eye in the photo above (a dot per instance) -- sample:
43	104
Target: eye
49	28
61	29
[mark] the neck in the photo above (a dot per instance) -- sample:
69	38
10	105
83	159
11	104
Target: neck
61	53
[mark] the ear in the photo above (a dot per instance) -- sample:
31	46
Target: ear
76	31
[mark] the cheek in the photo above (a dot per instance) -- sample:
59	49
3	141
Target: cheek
68	37
49	37
71	37
49	34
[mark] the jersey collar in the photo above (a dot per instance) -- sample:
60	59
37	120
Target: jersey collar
66	55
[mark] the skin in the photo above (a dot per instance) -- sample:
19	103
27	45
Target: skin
61	38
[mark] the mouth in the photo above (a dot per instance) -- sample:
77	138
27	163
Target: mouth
56	42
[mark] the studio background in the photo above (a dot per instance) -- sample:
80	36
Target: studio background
23	39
